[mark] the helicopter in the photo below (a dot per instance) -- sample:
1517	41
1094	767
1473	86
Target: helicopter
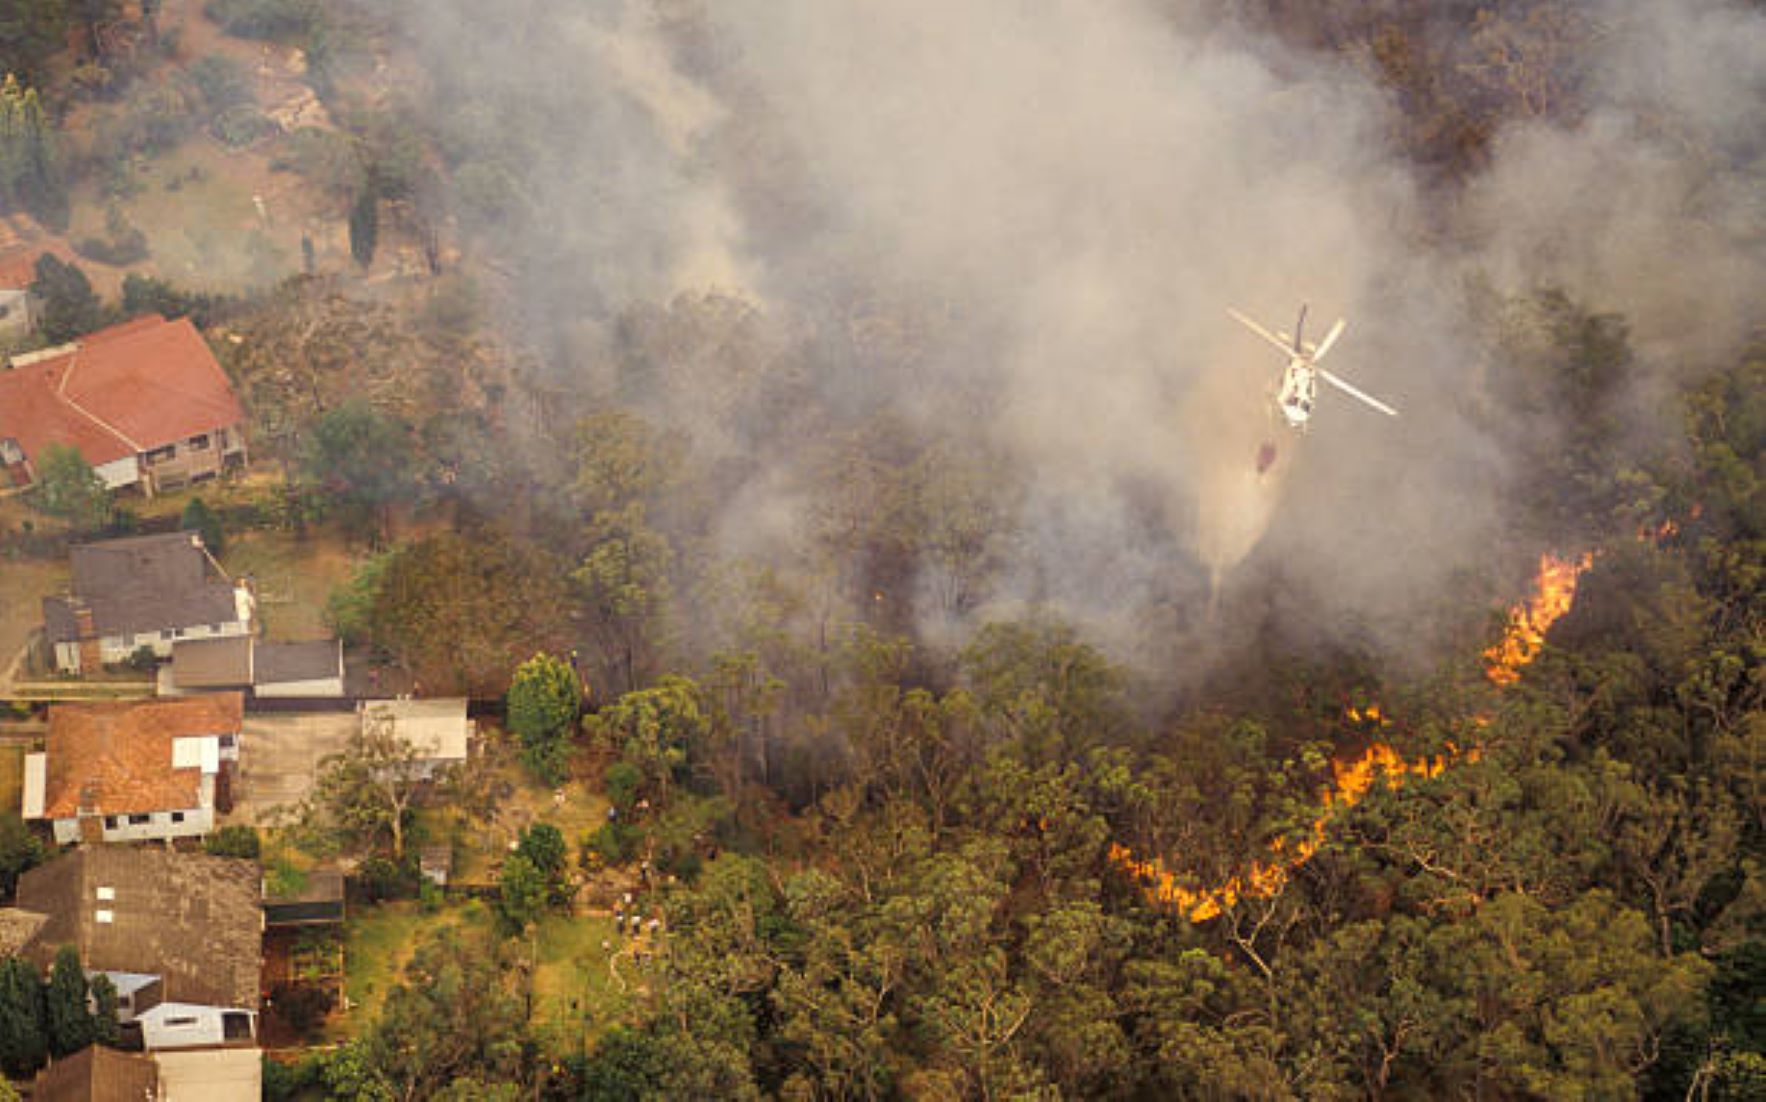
1299	387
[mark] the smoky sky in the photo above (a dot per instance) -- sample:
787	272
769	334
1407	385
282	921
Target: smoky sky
1062	199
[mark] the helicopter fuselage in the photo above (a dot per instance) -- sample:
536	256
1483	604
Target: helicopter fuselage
1299	390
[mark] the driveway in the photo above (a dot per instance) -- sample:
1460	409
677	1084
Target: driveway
279	756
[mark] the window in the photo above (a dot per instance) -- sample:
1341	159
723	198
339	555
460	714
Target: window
174	1022
110	822
138	819
227	741
105	917
105	895
160	455
166	634
177	816
199	443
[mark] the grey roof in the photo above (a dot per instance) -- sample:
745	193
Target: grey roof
309	661
190	918
98	1074
58	620
220	663
142	584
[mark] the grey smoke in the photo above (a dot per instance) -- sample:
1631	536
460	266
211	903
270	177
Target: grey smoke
1061	199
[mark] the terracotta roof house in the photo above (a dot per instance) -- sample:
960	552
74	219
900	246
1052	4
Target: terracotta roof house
304	669
190	919
146	403
98	1074
142	591
133	770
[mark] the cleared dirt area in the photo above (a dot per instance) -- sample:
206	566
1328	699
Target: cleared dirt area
23	585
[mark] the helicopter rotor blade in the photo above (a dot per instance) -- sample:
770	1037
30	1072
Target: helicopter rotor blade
1354	393
1330	339
1262	332
1299	328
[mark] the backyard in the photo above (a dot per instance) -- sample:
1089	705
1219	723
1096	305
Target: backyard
577	994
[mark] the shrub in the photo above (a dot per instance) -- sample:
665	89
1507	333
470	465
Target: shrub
199	518
621	784
234	841
239	126
382	878
286	1082
614	842
128	248
222	81
303	1006
269	19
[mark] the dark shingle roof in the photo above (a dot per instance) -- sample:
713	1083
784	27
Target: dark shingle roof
140	585
98	1074
277	663
189	918
212	663
17	928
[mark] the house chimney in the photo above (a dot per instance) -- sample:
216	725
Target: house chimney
84	627
89	798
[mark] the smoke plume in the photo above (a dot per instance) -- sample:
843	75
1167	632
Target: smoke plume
1019	226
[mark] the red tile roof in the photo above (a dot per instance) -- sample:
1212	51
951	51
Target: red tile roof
127	389
18	267
115	757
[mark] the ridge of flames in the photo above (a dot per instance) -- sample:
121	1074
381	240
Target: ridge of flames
1554	592
1352	779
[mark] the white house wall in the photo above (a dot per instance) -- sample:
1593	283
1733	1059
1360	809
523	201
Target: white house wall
158	827
119	472
115	649
186	1025
321	687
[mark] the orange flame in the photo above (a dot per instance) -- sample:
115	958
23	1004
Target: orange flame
1370	715
1554	592
1351	780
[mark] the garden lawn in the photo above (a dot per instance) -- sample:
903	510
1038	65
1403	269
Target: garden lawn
573	990
378	941
479	848
294	577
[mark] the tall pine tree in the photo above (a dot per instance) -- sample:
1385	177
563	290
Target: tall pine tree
69	1019
23	1046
